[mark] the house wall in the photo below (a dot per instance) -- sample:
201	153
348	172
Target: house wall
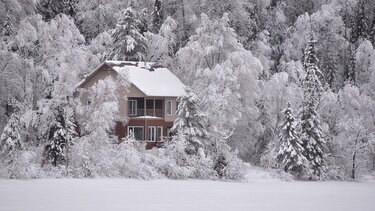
133	91
121	129
103	72
173	117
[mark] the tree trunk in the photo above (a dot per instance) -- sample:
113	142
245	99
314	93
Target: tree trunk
353	165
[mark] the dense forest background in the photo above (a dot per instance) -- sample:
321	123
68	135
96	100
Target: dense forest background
277	83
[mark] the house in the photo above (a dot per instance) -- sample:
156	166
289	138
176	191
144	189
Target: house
149	103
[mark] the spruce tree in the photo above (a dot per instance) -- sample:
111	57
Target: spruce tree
311	134
128	42
157	17
289	153
10	140
61	134
189	123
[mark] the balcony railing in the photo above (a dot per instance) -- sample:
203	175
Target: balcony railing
146	112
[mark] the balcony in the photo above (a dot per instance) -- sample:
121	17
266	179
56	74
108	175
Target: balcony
146	112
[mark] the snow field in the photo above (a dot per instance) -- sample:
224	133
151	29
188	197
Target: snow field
189	195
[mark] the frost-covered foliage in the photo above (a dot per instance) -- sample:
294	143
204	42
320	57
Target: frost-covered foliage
355	131
365	62
99	116
162	46
328	28
311	128
17	162
195	148
216	65
129	44
289	153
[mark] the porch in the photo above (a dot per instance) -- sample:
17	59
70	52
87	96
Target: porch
153	131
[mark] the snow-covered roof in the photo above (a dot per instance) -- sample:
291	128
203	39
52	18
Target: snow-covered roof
152	79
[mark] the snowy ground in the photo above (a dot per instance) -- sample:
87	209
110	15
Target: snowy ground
261	193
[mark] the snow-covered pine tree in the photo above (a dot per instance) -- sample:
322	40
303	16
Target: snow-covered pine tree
61	134
129	44
189	123
10	140
311	134
289	153
157	17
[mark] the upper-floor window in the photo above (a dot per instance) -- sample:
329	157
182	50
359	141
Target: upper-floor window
168	107
132	107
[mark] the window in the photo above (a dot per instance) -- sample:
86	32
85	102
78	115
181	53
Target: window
159	108
132	107
152	134
150	107
160	134
135	132
168	107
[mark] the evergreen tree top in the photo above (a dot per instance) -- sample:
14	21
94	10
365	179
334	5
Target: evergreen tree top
289	113
310	55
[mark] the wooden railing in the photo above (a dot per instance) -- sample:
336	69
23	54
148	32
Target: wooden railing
147	112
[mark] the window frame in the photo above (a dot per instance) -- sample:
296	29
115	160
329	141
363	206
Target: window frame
135	108
153	128
159	138
133	130
171	108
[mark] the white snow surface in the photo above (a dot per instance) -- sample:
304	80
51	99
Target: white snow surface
157	83
147	117
259	192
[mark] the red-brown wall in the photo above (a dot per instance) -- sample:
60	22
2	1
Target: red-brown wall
121	129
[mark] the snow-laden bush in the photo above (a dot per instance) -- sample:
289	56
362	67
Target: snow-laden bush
21	165
109	159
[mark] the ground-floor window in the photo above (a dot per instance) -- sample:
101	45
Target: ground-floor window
152	133
160	134
136	132
155	133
